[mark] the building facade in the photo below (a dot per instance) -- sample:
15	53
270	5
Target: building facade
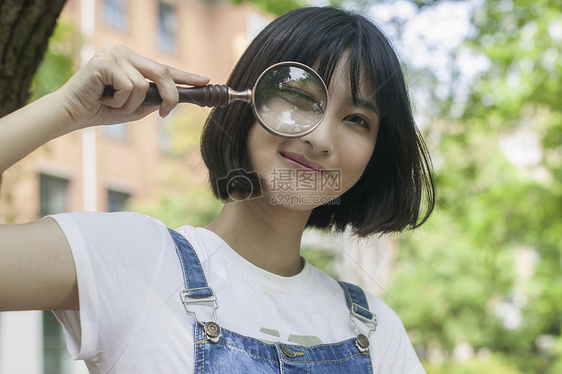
104	168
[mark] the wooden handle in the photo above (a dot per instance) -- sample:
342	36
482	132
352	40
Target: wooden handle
210	96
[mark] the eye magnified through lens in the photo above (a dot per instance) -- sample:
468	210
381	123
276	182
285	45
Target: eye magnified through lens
289	99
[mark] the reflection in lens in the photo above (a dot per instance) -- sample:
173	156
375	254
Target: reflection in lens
290	100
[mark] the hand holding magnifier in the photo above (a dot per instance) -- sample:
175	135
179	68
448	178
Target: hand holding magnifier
289	99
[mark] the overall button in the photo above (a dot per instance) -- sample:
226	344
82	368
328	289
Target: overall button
362	342
288	351
213	331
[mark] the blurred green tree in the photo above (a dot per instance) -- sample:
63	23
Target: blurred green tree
490	260
520	94
275	7
59	61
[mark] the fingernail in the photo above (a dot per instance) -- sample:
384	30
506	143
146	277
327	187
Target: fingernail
164	113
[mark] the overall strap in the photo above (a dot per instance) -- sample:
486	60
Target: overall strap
196	288
357	302
359	308
193	275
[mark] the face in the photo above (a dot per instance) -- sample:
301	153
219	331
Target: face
309	171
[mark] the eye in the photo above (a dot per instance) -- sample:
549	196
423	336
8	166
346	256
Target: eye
358	120
298	97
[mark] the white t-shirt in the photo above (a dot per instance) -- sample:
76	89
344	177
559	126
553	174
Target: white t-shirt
131	318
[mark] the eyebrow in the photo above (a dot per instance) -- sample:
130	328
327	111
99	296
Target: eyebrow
364	103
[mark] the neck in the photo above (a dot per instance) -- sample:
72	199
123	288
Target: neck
265	235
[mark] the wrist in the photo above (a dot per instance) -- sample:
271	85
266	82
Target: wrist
30	127
70	111
56	116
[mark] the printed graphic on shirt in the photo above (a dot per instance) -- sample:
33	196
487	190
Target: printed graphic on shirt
304	340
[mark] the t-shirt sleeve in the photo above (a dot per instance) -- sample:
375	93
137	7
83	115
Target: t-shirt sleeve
118	257
394	352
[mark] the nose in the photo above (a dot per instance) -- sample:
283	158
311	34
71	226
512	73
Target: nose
321	140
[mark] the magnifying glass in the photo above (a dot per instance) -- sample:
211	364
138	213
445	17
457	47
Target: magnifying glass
289	99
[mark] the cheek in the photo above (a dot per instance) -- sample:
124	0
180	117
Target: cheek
261	146
355	158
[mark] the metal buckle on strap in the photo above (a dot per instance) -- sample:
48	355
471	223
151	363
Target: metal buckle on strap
361	313
191	296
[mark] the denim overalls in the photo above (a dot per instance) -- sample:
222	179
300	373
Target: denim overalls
219	350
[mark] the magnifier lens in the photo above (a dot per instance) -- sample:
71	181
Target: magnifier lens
290	99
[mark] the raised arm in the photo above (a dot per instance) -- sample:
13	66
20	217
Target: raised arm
36	265
79	103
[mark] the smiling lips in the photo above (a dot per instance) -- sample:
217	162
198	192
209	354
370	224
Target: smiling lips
302	163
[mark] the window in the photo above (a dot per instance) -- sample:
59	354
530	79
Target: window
117	200
167	26
53	195
116	132
55	355
115	13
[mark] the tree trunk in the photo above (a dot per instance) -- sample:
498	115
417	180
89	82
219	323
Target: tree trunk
25	28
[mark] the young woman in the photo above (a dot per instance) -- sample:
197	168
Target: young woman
133	296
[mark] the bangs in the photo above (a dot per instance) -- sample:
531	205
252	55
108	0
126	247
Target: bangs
326	46
321	42
353	51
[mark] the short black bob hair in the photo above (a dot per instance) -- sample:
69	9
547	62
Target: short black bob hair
396	190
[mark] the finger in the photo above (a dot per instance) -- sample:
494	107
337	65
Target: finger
183	77
140	112
128	82
152	69
140	86
164	76
168	92
113	75
116	116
